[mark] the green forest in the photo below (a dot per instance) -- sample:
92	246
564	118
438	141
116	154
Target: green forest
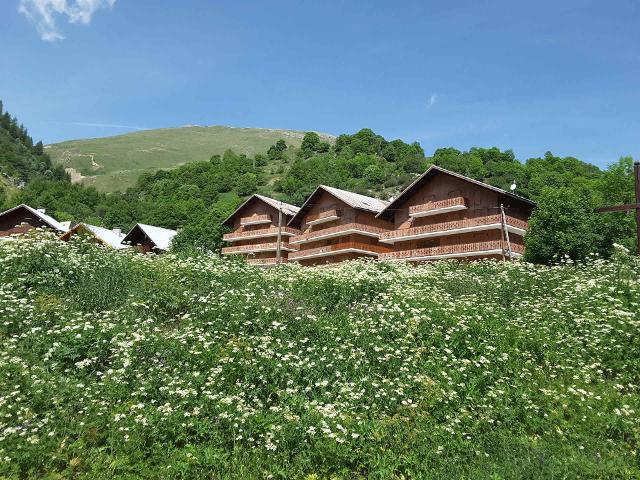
196	197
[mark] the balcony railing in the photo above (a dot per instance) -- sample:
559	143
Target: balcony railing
437	207
488	222
259	247
493	247
337	249
255	220
263	232
324	217
339	231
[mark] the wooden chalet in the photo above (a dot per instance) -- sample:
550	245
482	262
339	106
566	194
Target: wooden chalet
443	214
255	231
337	225
147	238
23	218
104	236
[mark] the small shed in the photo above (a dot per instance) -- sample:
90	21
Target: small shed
148	238
111	238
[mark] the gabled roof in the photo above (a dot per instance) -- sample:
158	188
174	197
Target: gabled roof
161	237
434	169
354	200
287	208
106	236
52	222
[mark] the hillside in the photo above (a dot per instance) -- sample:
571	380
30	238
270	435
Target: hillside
114	163
131	366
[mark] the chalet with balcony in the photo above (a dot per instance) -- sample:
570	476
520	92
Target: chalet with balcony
21	219
337	225
255	231
443	215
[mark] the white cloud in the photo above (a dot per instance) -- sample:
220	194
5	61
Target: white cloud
432	99
43	14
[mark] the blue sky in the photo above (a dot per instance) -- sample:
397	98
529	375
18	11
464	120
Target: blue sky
530	76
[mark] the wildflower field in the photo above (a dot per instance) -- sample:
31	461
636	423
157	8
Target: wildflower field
126	366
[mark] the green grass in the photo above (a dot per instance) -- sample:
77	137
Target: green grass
124	366
114	163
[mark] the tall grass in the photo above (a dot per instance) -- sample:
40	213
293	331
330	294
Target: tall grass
129	366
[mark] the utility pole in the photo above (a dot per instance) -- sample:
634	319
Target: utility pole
503	218
629	206
278	245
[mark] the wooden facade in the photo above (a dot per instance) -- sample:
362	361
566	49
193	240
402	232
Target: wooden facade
337	225
446	215
22	219
255	231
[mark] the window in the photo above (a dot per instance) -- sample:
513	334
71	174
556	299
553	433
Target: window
428	243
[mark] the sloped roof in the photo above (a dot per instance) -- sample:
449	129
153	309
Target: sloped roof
354	200
432	170
106	236
287	208
49	220
161	237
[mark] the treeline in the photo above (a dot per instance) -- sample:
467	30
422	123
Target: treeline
20	159
196	197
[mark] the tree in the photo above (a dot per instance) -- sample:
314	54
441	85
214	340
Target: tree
277	150
246	184
374	175
564	224
310	144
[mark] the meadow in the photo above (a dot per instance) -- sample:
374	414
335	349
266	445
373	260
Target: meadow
187	366
115	163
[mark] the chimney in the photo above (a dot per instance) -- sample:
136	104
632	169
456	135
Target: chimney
42	210
117	231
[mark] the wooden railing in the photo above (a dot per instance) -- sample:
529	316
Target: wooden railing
258	247
325	214
319	234
263	232
437	205
336	249
453	249
453	225
255	219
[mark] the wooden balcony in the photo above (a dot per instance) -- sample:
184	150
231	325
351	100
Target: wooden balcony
478	249
259	247
324	217
454	227
255	220
338	249
339	231
261	233
438	207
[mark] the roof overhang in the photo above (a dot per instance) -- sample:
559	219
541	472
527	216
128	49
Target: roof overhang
387	213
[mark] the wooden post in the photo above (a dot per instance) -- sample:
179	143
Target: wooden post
506	231
636	171
278	245
633	206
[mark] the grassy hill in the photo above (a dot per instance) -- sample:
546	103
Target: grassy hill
114	163
132	366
